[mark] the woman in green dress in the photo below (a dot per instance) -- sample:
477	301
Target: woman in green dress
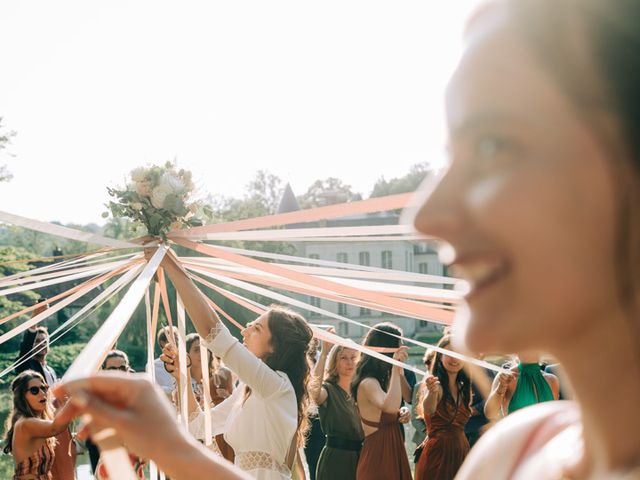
338	413
525	384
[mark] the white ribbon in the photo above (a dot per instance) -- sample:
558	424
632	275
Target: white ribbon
64	232
112	290
83	273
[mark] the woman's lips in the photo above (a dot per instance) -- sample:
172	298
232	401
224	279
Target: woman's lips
480	272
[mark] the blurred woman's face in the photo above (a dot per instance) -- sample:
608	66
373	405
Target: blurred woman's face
194	353
346	362
37	395
116	363
527	203
41	343
451	364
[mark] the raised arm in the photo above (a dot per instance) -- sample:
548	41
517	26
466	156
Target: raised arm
498	400
170	357
195	303
37	427
432	395
317	392
388	401
250	369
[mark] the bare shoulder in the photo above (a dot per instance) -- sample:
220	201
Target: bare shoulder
369	384
550	378
515	438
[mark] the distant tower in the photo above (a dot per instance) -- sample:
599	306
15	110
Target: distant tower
288	202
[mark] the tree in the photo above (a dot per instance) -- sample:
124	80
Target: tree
327	192
5	139
266	189
14	260
407	183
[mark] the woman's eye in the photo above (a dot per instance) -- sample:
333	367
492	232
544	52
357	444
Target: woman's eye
491	151
489	146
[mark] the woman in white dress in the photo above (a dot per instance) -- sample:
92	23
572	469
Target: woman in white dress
264	420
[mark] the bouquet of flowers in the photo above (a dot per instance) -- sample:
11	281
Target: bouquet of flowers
160	198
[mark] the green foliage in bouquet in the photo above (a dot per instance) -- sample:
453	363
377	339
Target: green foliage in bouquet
159	197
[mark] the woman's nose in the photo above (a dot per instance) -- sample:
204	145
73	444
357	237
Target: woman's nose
440	212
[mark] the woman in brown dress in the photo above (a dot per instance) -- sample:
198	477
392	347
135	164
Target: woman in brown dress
338	413
446	398
378	392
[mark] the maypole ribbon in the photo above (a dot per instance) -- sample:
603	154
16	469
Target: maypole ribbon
65	232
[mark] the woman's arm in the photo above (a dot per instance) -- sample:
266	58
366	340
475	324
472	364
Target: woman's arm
250	369
144	421
433	394
195	303
497	401
388	402
316	391
171	357
39	428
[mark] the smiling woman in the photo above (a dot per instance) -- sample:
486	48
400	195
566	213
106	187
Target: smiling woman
445	400
539	205
32	426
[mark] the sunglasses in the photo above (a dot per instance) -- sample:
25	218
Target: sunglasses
123	368
36	390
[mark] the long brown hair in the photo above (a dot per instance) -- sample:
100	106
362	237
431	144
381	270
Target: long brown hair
384	334
21	407
331	374
437	370
290	339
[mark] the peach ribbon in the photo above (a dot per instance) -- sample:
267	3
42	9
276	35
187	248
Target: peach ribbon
380	204
410	308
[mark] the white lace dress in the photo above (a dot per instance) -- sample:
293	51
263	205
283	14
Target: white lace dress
260	431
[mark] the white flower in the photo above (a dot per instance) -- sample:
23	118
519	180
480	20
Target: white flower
136	206
172	183
143	189
139	174
158	196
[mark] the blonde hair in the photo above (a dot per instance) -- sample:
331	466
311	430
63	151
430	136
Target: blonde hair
331	370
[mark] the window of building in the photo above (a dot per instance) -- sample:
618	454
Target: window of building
364	312
343	257
315	302
364	259
387	259
342	309
423	267
343	329
314	256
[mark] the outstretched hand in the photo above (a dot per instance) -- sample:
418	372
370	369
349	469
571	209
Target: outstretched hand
128	403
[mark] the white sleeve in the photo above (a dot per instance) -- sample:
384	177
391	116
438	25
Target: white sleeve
219	415
262	380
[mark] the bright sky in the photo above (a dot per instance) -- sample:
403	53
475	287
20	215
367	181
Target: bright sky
306	90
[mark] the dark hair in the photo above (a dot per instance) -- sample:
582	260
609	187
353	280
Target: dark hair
437	369
21	407
29	340
611	57
290	337
190	340
381	335
164	332
116	354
